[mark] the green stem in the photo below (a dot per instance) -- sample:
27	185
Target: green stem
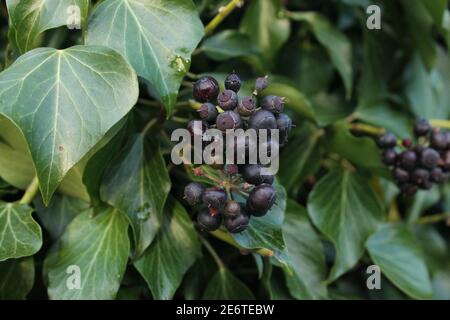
225	237
149	125
366	128
223	13
31	192
149	103
433	218
213	253
438	123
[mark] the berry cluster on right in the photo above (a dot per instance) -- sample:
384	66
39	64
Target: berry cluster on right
421	165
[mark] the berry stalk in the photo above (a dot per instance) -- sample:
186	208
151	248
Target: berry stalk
30	192
213	253
223	13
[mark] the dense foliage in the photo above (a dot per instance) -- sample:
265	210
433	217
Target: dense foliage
87	187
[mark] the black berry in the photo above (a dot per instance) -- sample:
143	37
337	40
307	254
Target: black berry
232	209
400	175
261	83
209	221
437	175
422	128
261	199
208	112
228	120
273	104
214	197
262	119
284	124
206	89
429	158
438	140
252	175
408	160
420	176
387	141
246	106
236	224
232	82
193	193
227	100
389	157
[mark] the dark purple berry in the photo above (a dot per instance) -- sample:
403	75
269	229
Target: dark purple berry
214	197
208	112
252	175
408	190
193	193
232	82
273	104
422	128
208	221
446	159
227	100
438	140
387	141
228	120
389	157
407	143
261	83
232	209
262	119
261	199
429	158
437	175
236	224
407	160
206	89
400	175
246	106
420	176
284	124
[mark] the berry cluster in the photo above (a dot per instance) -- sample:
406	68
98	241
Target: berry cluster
418	166
216	204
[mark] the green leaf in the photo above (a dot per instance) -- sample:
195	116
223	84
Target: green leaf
172	252
20	235
335	42
330	108
265	26
64	102
229	44
225	286
61	210
28	19
137	183
96	242
16	278
265	232
344	208
306	255
394	249
156	37
361	151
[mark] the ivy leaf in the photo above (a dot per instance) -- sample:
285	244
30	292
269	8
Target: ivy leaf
225	286
394	249
28	19
265	232
61	210
347	211
16	278
96	242
157	38
171	254
229	44
335	42
265	26
137	183
306	255
20	235
50	95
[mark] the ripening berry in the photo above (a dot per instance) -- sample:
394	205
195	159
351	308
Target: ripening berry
252	175
429	158
214	197
261	199
422	128
246	106
207	221
227	100
261	83
236	224
206	89
193	193
387	141
232	209
273	104
208	112
228	120
262	119
232	82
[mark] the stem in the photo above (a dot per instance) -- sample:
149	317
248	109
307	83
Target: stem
367	128
437	123
225	237
223	13
148	126
149	103
433	218
31	191
213	253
